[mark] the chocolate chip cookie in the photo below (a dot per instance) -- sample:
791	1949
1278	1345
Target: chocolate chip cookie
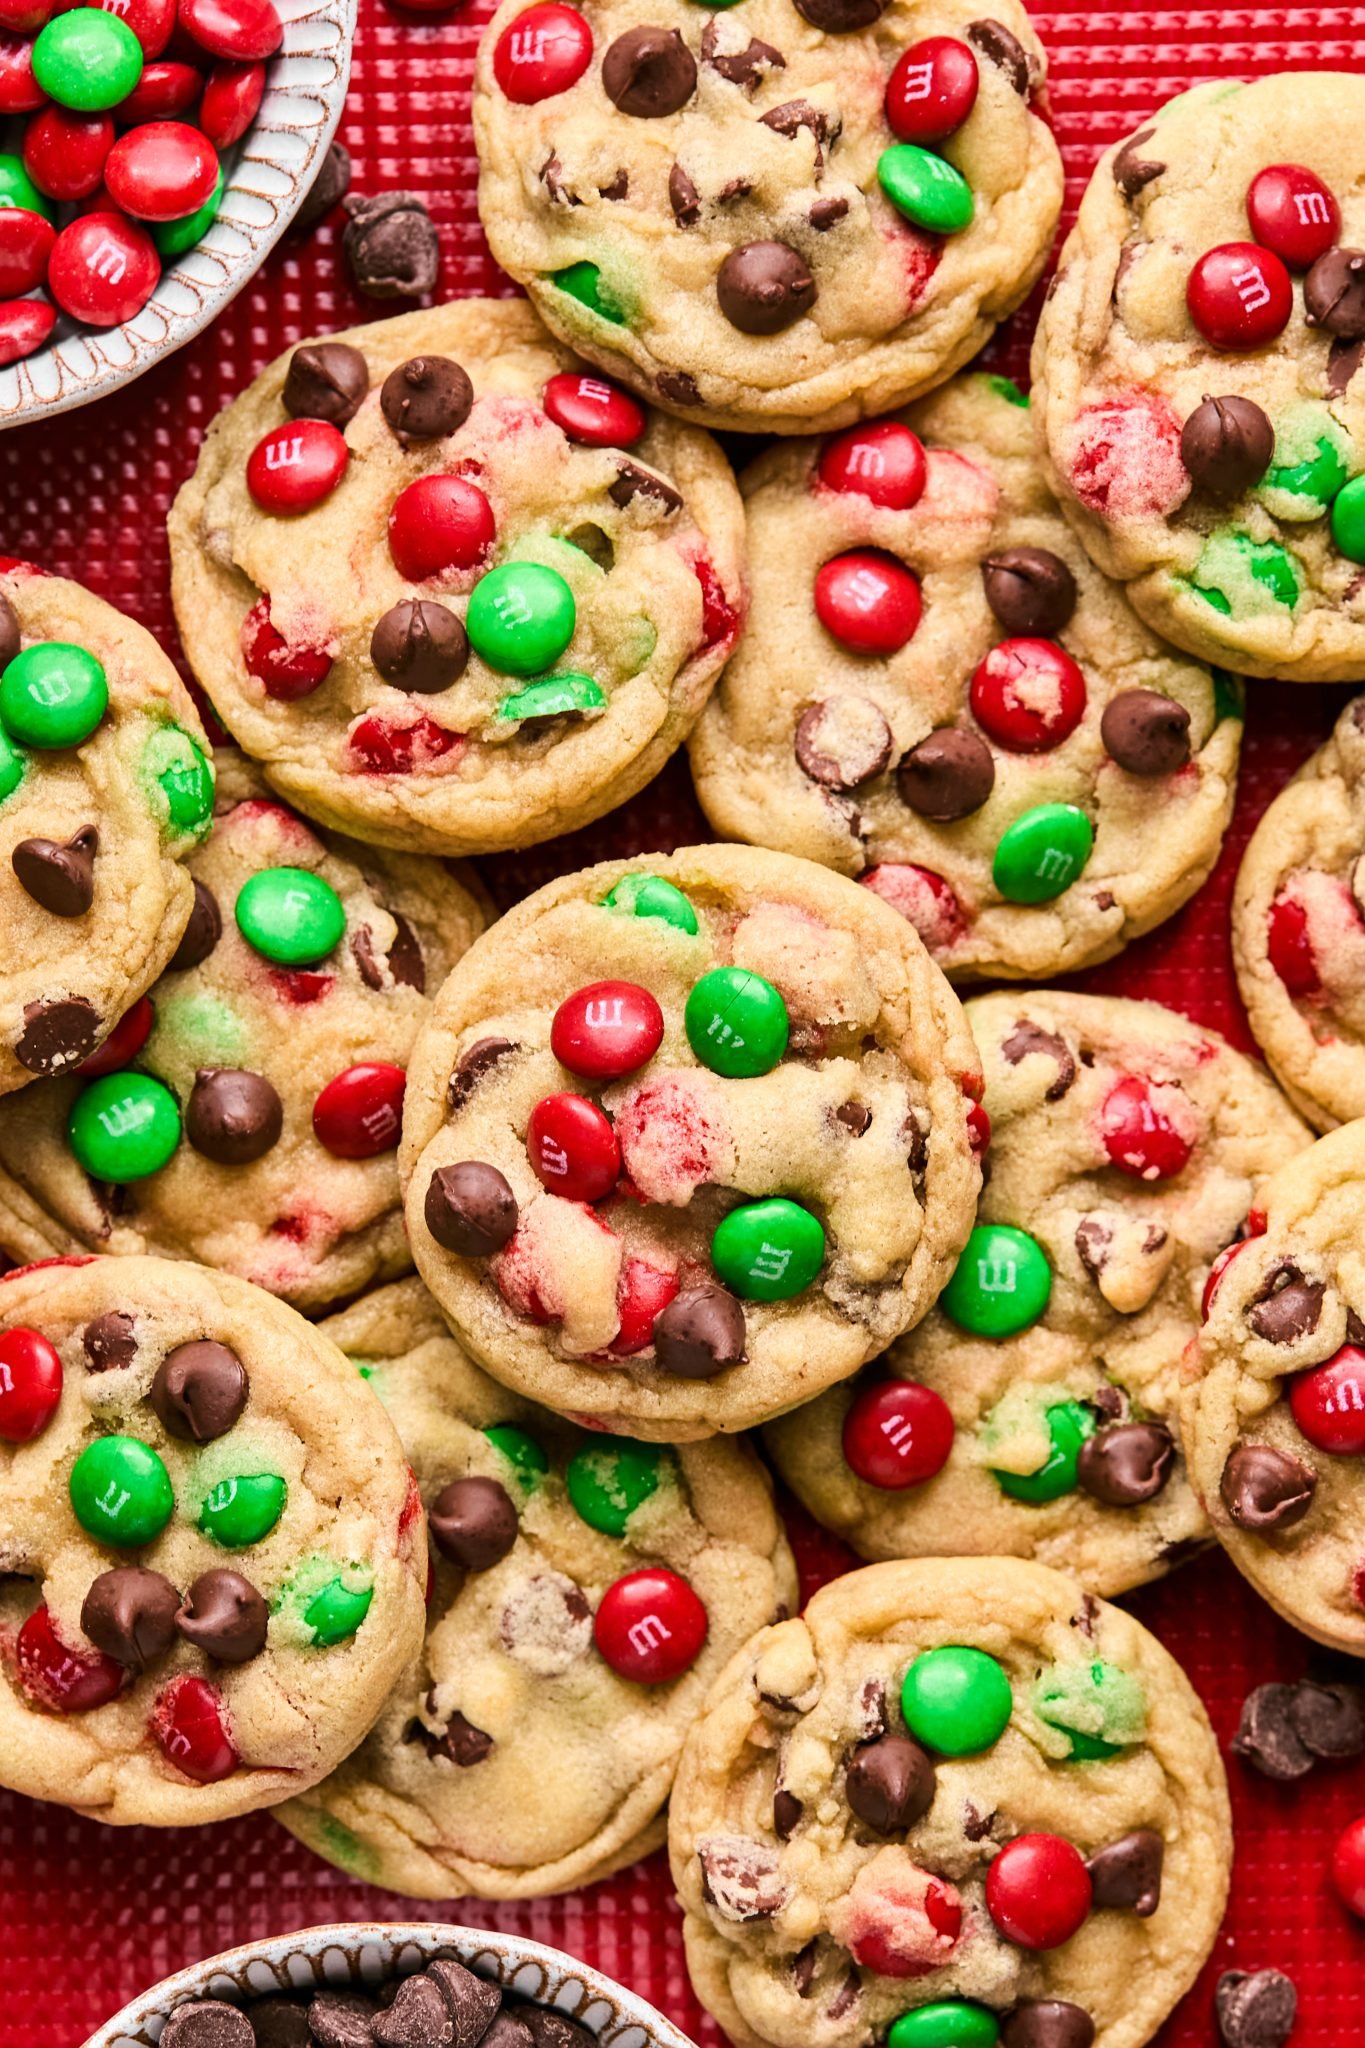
540	1533
1273	1415
1032	1413
777	216
939	694
247	1112
957	1801
1195	374
105	787
213	1548
452	590
687	1141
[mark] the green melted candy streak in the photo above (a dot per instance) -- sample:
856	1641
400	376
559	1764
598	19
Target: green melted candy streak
1096	1706
1241	576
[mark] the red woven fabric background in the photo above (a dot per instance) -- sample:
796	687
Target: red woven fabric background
93	1915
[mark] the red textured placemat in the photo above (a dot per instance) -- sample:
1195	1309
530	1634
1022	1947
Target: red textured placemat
93	1915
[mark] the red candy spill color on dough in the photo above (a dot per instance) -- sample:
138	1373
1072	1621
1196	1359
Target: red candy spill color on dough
284	672
898	1434
650	1626
923	899
64	1680
901	1921
1289	947
1126	461
381	748
30	1384
189	1726
719	619
643	1292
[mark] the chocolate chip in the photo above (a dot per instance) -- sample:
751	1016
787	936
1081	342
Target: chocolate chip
426	398
764	286
509	2030
57	1034
418	2018
1126	1464
787	1812
948	775
1005	51
326	380
679	387
419	645
633	481
202	933
1133	171
1266	1737
10	636
619	187
546	1623
1256	2009
1028	1039
740	1877
1146	733
855	1117
554	2029
473	1522
233	1116
1290	1309
1047	2023
129	1614
1226	445
842	741
551	176
404	959
59	874
976	1826
327	190
208	2023
342	2019
109	1341
1264	1489
224	1616
1030	590
1343	360
685	201
1334	294
199	1391
1329	1720
699	1334
280	2023
826	214
391	246
461	1742
841	17
890	1784
744	68
649	72
1125	1876
472	1066
470	1209
472	2000
794	115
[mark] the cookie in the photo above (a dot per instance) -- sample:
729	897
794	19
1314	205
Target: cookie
1298	931
688	1140
247	1112
105	787
1273	1416
777	217
939	694
958	1801
213	1548
1033	1411
531	1745
1195	374
453	592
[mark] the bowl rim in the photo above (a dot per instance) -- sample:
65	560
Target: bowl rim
429	1936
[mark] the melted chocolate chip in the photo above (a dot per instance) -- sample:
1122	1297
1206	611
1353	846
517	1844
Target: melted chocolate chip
1003	49
426	398
1028	1039
1047	2023
1125	1876
552	178
10	635
391	246
763	287
1256	2009
129	1614
420	646
1146	733
855	1117
473	1522
842	741
649	72
794	115
208	2023
1329	1720
59	874
1126	1464
1266	1737
199	1391
202	933
470	1209
787	1812
473	1065
1226	445
841	17
744	68
700	1334
57	1034
619	187
405	963
976	1826
1030	590
948	775
685	201
1290	1309
109	1342
326	380
1133	171
1343	360
1334	294
741	1878
1264	1489
634	481
678	387
233	1116
826	214
890	1784
224	1616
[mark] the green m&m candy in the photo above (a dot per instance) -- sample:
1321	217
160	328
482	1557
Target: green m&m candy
736	1022
121	1492
337	1611
521	617
1303	490
290	916
768	1251
583	281
555	697
1006	388
1100	1708
925	188
1229	695
956	1700
87	60
182	772
1069	1423
243	1510
123	1126
174	237
945	2023
521	1451
18	189
1001	1283
1042	853
11	766
610	1478
1348	520
1235	573
53	695
652	896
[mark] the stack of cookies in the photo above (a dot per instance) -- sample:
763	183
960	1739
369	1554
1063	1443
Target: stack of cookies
396	1285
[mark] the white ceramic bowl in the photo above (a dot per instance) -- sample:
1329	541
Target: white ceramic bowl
273	167
365	1951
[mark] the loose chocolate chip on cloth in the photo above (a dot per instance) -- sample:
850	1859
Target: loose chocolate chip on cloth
328	189
391	246
1255	2008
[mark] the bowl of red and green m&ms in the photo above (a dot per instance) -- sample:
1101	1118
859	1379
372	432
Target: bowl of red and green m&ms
151	153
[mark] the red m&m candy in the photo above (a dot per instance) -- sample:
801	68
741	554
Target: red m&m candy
150	20
1239	296
359	1114
643	1292
1028	695
20	91
1255	1227
231	102
65	153
1348	1867
25	325
64	1680
593	412
123	1044
244	29
883	462
1329	1402
26	241
30	1385
1290	948
924	899
28	16
437	524
382	748
284	672
572	1148
898	1434
296	466
541	53
868	600
103	269
932	90
1038	1891
978	1130
1292	212
164	90
189	1727
606	1029
650	1626
1139	1134
162	170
